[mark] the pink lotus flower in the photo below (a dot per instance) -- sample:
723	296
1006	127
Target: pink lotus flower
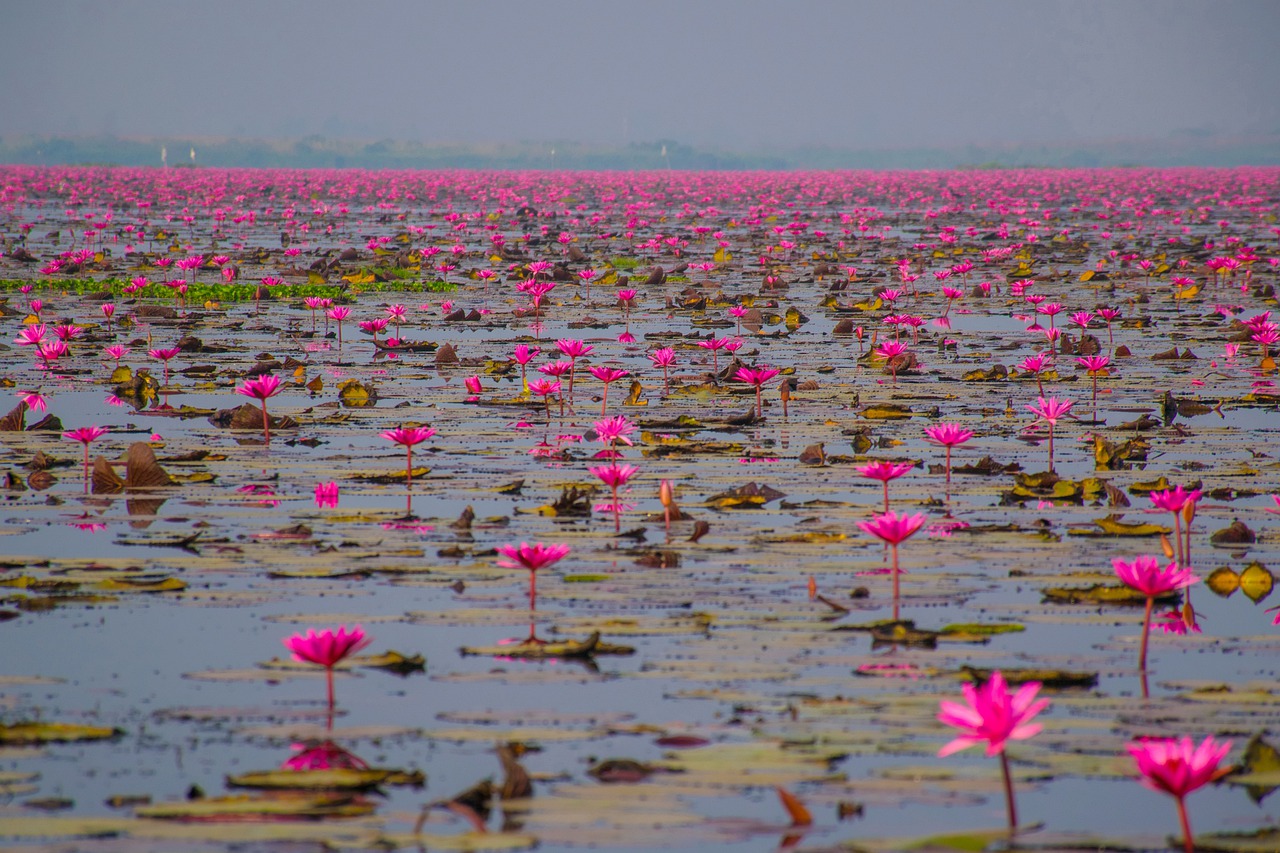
338	313
327	648
894	530
534	558
1177	767
889	351
575	349
715	345
1049	410
610	431
1145	575
948	436
86	436
615	476
408	437
1175	499
34	400
30	336
664	357
327	495
884	472
164	355
607	375
757	376
993	715
261	388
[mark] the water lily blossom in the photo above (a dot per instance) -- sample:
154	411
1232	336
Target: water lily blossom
1144	575
1049	410
947	436
893	530
408	437
86	436
992	715
327	648
261	388
757	376
1177	767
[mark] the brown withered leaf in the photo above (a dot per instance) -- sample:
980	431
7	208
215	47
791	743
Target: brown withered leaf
1236	533
446	354
15	419
814	454
104	478
144	472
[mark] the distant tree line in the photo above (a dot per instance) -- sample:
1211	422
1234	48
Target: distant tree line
321	152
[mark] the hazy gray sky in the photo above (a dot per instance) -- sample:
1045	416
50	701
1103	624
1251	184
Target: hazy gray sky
737	75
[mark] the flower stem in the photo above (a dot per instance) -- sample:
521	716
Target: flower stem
328	671
1188	844
1008	793
894	546
1146	632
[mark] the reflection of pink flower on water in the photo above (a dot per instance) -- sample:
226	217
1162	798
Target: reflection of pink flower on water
890	670
327	495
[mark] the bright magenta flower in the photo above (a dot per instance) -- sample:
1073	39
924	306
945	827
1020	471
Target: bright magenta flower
408	436
607	374
523	354
556	368
1173	500
85	435
1145	575
947	435
614	429
164	354
884	471
35	400
757	376
664	357
573	348
1050	409
1177	767
1093	363
328	647
992	714
892	528
544	387
614	476
532	557
261	387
